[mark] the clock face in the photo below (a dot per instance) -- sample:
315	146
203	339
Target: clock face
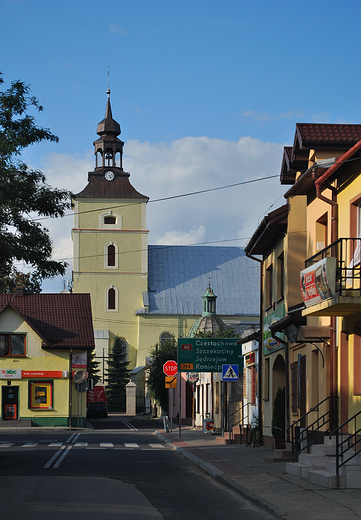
109	175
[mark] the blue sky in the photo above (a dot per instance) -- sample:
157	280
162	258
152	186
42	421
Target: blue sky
206	93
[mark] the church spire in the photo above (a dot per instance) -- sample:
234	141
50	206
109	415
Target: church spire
108	148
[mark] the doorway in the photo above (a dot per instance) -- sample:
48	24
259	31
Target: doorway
10	402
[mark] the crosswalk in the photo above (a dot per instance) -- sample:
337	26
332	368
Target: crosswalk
86	445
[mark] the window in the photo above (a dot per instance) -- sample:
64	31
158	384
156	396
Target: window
268	286
12	344
165	336
321	232
111	256
111	299
110	220
280	276
41	395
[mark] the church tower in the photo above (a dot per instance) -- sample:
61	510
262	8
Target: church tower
110	244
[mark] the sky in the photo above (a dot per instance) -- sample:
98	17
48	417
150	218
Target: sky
207	94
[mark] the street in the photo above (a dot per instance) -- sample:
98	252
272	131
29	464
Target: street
119	470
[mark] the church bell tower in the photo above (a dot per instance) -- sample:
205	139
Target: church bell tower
110	244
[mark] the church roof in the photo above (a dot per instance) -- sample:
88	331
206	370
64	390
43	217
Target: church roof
178	275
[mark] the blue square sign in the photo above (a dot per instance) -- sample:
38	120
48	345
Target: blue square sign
230	372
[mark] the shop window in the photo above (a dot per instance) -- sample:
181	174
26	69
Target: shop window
12	344
41	395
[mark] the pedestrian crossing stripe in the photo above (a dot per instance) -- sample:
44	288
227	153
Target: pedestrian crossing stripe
230	372
102	445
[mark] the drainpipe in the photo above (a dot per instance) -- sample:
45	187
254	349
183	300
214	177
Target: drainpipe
260	349
319	183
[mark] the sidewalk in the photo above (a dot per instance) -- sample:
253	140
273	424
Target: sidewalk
266	484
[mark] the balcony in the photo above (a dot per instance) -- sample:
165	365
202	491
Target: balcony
330	282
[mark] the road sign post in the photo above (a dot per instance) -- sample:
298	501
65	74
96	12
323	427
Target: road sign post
170	368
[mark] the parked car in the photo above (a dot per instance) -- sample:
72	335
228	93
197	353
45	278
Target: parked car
97	409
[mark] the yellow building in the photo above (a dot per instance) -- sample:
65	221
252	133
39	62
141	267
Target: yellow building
41	338
145	293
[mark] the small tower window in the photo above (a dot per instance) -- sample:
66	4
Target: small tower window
111	256
110	220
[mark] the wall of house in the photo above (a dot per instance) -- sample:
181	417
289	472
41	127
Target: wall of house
37	361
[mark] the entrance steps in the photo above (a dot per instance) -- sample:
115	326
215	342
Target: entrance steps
319	467
281	455
238	435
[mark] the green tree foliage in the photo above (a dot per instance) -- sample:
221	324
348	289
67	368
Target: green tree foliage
92	367
24	193
156	382
118	376
221	332
28	281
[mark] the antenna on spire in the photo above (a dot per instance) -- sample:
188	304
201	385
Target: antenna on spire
108	91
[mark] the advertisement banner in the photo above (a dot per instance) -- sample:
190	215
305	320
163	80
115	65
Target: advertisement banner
318	281
270	344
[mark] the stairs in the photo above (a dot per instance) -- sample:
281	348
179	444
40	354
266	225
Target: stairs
319	467
238	435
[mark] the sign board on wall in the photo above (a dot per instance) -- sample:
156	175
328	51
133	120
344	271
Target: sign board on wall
269	343
318	281
10	373
208	354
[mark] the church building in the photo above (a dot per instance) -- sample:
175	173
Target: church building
145	293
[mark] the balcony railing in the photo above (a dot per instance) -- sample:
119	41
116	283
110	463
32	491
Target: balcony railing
347	252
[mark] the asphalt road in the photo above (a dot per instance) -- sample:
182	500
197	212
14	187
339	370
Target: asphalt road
119	470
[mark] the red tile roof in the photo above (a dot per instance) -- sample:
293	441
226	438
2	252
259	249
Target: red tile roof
61	320
322	133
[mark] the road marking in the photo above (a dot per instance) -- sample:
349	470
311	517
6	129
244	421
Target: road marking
49	463
129	425
62	457
55	444
131	445
106	445
6	444
30	445
81	444
156	445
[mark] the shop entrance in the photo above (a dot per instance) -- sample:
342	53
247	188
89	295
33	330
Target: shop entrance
10	404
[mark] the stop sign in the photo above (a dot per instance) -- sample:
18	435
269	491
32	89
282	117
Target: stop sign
170	368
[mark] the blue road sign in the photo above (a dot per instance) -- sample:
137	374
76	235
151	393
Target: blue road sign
230	372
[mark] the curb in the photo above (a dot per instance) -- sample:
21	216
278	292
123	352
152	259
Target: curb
223	479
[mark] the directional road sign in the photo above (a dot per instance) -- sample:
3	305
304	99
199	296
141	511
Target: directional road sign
208	354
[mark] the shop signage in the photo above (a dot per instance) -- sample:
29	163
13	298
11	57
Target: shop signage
42	373
208	354
270	344
318	281
10	373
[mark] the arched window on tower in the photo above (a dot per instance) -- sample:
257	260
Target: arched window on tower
111	299
165	336
111	255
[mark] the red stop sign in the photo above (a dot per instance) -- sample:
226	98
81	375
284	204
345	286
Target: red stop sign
170	368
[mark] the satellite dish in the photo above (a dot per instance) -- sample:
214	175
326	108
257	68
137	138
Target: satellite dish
79	376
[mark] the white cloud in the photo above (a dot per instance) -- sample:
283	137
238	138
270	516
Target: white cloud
187	165
115	29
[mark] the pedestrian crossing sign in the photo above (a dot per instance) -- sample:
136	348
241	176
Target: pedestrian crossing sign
230	372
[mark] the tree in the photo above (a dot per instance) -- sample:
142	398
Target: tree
118	376
160	354
92	367
24	193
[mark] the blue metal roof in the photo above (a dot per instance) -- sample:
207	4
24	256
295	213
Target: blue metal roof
179	275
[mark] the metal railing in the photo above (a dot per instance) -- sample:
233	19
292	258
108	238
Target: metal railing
347	252
303	435
347	445
241	422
